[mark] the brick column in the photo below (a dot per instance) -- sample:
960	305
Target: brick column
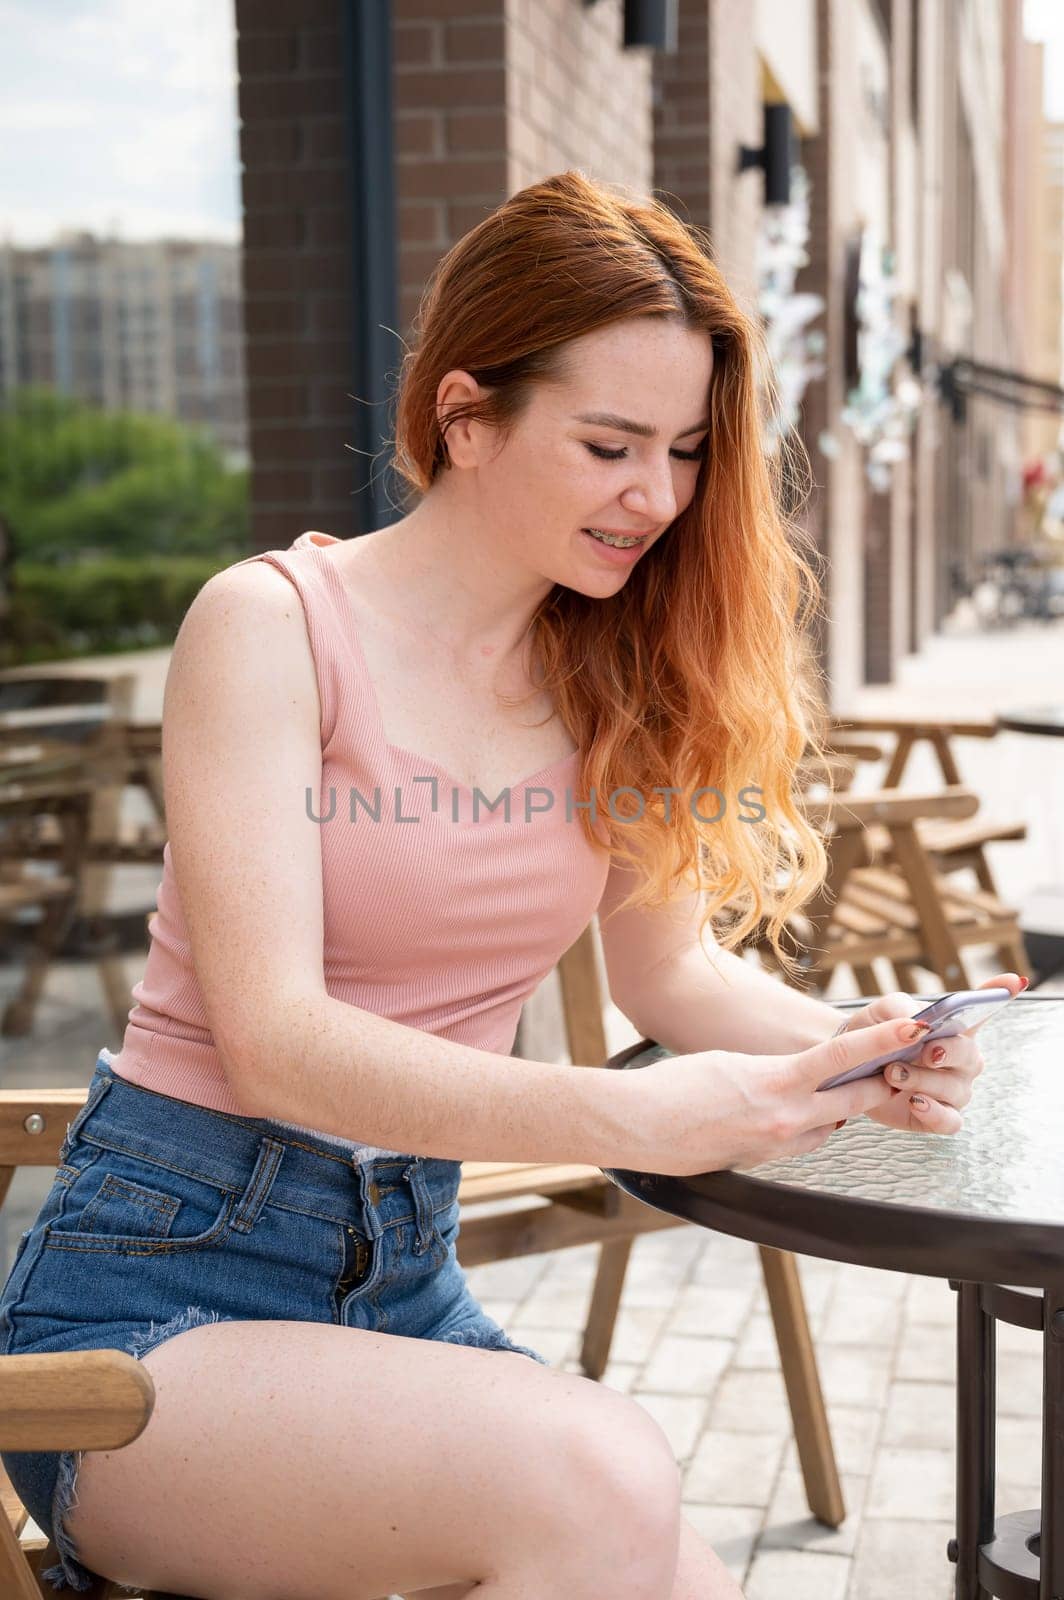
298	289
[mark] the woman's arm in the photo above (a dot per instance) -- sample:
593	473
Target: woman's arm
691	998
241	745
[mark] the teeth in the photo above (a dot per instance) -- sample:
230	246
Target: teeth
613	539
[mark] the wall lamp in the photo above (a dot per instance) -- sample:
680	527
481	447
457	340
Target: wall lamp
650	22
776	156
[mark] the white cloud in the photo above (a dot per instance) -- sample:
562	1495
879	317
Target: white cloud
118	114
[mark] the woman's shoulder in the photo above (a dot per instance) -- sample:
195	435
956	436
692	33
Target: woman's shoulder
245	620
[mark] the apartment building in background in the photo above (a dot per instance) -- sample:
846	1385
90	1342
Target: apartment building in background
152	326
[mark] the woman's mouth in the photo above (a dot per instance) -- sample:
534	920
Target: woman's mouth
616	547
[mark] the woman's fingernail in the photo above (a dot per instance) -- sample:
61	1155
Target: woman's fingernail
938	1054
841	1124
913	1031
918	1101
1024	984
899	1073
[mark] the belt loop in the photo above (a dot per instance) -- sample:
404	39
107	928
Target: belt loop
259	1184
415	1176
367	1191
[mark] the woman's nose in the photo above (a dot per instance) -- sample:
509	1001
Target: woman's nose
652	496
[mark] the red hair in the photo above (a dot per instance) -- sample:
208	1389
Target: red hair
698	671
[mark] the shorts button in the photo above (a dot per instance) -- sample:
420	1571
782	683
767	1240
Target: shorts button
375	1194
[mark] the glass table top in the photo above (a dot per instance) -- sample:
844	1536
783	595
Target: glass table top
1006	1163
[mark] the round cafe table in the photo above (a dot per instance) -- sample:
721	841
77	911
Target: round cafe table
984	1209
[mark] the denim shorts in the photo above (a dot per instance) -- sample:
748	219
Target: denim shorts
165	1215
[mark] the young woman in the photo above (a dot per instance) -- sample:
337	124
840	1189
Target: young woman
402	773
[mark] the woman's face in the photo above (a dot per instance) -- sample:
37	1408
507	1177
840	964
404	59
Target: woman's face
614	444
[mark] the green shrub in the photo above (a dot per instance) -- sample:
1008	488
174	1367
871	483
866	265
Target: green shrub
100	607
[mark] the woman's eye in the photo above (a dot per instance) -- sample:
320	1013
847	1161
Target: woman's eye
618	455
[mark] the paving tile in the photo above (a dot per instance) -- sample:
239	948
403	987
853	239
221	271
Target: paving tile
799	1575
916	1485
864	1319
557	1344
1019	1449
730	1530
680	1417
931	1300
897	1558
682	1365
920	1415
619	1375
870	1281
505	1280
756	1350
854	1436
853	1376
1019	1385
637	1331
550	1307
717	1309
751	1402
736	1469
927	1353
789	1524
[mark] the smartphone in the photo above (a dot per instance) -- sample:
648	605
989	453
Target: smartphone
948	1016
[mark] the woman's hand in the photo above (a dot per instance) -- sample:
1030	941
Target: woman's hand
718	1109
930	1093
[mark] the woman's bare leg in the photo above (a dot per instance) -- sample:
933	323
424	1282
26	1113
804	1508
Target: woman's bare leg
307	1461
700	1575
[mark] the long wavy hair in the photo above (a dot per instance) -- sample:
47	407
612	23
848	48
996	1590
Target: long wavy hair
697	673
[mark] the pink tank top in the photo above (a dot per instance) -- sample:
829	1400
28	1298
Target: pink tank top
446	922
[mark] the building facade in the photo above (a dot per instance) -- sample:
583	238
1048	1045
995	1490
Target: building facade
152	327
900	110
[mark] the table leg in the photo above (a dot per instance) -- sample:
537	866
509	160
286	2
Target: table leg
1051	1544
975	1438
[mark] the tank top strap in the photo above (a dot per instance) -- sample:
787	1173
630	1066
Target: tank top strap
336	664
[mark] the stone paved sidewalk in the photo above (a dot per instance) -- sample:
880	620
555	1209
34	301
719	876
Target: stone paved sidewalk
694	1343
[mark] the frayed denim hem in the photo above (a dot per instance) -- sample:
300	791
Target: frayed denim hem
482	1336
70	1573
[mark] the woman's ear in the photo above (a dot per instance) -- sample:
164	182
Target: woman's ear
463	440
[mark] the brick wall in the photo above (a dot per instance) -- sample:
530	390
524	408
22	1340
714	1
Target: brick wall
498	98
575	97
707	102
296	270
450	129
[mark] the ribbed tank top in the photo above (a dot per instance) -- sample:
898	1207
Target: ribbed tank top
447	923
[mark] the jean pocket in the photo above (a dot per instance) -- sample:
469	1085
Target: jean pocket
127	1204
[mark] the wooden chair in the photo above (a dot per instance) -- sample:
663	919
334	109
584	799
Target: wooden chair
951	845
88	1400
560	1206
900	908
89	718
27	802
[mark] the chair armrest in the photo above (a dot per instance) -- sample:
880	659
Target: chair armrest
19	1146
890	807
84	1400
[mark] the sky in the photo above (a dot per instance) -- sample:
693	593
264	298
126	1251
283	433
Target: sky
1044	19
120	116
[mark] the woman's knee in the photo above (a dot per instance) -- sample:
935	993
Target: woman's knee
619	1484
